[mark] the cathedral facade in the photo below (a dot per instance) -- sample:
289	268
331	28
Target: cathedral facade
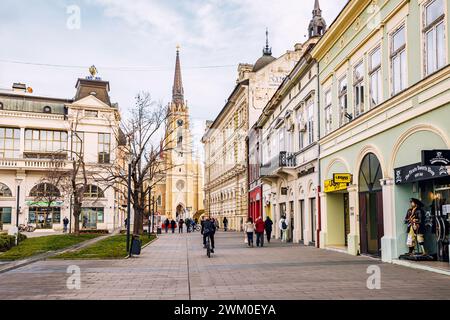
180	192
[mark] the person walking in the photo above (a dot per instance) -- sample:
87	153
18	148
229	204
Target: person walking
166	225
268	225
187	222
225	224
260	227
283	225
180	226
216	223
173	225
66	223
250	230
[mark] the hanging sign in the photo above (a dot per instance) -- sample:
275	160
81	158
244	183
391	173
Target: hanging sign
342	178
331	186
418	172
436	157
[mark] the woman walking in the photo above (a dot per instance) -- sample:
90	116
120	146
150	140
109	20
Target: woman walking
250	230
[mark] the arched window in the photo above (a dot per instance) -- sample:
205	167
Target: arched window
94	192
45	190
5	191
370	174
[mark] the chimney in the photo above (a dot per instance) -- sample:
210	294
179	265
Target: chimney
19	87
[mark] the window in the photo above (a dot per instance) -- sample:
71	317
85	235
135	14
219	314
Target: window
376	89
434	36
9	143
5	191
281	134
91	113
45	190
104	148
398	60
92	216
77	143
310	123
1	105
328	112
159	201
301	131
45	141
5	215
343	101
94	192
358	88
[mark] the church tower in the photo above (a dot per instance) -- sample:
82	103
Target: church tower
184	178
317	26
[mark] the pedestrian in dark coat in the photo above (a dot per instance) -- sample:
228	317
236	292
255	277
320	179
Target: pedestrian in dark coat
180	226
268	226
166	225
173	225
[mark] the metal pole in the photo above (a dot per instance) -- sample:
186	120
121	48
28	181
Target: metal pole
70	215
129	207
18	206
153	216
149	210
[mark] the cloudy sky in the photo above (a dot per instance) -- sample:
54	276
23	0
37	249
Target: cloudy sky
132	43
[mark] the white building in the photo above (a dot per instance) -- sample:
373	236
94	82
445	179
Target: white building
33	131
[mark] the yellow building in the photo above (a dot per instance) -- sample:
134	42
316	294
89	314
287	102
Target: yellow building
179	194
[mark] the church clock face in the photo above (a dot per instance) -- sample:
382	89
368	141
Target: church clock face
180	123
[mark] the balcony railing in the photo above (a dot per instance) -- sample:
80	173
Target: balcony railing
33	164
284	160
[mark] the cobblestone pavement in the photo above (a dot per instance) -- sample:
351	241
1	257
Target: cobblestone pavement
175	267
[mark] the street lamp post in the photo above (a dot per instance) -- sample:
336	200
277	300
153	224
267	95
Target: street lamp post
18	181
153	215
129	207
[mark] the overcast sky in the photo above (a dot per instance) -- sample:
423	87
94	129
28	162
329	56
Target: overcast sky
133	43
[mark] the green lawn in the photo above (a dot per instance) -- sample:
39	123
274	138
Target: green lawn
110	248
35	246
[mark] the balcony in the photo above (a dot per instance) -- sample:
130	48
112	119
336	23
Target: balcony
279	166
32	164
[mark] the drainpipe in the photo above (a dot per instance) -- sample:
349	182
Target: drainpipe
319	207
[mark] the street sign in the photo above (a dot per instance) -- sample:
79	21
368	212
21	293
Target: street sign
342	178
331	186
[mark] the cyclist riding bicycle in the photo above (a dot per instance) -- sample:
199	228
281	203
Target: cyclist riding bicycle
208	230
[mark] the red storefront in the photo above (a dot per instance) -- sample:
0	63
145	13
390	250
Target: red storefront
255	207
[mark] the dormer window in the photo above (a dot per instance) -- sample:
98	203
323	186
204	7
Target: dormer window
47	109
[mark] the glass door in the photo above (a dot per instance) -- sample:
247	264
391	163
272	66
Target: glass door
90	219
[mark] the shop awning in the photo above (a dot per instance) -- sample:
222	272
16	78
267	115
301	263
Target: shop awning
418	172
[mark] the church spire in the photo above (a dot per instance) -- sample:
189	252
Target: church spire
267	50
178	91
318	26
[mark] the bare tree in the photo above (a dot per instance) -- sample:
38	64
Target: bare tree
147	131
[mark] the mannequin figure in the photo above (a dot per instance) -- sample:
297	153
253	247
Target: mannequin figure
415	219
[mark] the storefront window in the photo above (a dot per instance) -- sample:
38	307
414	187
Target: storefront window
5	215
44	217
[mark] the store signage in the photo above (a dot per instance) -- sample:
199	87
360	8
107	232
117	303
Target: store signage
418	172
342	178
44	204
436	157
331	186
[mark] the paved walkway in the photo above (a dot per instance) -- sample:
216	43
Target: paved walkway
176	267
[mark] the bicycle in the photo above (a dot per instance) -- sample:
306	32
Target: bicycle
198	228
208	246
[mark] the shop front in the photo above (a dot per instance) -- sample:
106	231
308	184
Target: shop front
44	216
255	204
429	183
92	217
338	215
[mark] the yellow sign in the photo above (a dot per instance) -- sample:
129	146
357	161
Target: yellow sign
342	178
331	186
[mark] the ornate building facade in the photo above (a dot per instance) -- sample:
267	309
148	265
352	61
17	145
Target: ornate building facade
226	159
180	193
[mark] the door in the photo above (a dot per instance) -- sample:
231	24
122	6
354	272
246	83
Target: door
89	220
371	205
302	220
346	218
313	220
292	222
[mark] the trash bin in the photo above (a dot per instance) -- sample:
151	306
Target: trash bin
136	245
159	230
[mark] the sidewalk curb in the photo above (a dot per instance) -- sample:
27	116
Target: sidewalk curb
44	256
